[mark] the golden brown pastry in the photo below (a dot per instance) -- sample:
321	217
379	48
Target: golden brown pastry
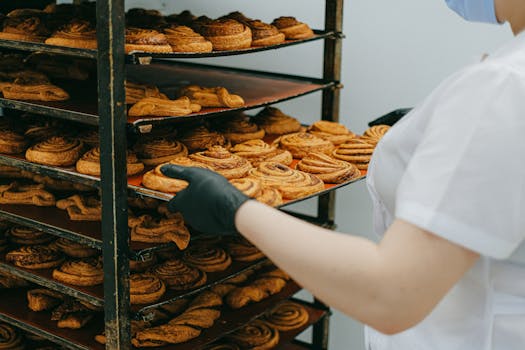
301	144
292	28
242	250
275	122
356	151
41	130
56	151
28	236
373	134
24	88
146	40
136	92
226	34
144	264
253	188
184	39
264	34
270	196
156	180
212	96
257	334
225	163
11	338
89	163
150	230
25	25
136	325
328	169
334	132
72	314
164	335
87	272
180	276
74	249
207	258
237	128
158	151
291	183
15	193
12	142
81	208
258	151
43	299
161	107
77	33
145	288
34	257
287	316
200	138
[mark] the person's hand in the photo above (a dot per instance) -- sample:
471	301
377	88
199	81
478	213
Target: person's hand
209	203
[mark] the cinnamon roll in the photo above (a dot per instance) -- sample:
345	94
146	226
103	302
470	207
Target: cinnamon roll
291	183
161	107
249	186
257	334
73	249
301	144
292	28
184	39
356	151
77	33
11	338
180	276
56	151
146	40
151	230
89	163
34	90
270	196
81	208
226	34
237	129
287	316
331	131
212	96
158	151
15	193
258	151
264	34
328	169
373	134
207	258
201	138
145	288
242	250
28	236
136	92
34	257
275	122
25	25
80	272
225	163
156	180
12	142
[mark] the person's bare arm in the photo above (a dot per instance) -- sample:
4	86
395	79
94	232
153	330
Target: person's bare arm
390	286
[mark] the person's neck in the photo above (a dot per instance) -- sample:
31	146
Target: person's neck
512	11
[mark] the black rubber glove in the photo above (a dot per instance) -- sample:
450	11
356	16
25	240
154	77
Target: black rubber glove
209	203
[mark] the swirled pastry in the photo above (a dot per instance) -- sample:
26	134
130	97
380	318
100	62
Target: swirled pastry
270	196
291	183
212	96
57	151
356	151
146	40
207	258
73	249
144	264
226	34
25	25
331	131
292	28
225	163
145	288
156	180
12	142
201	138
28	236
15	193
287	316
35	257
43	299
254	189
81	208
180	276
80	272
258	151
77	33
275	122
257	334
89	163
238	128
161	107
152	230
328	169
264	34
34	90
184	39
242	250
373	134
10	338
301	144
136	92
158	151
89	138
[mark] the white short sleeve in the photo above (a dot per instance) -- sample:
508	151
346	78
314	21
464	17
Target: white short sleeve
465	181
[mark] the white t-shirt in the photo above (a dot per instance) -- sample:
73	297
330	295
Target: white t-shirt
455	166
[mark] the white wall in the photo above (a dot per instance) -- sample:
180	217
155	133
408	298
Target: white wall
395	53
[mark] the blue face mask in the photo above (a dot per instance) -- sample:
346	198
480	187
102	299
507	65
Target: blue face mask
474	10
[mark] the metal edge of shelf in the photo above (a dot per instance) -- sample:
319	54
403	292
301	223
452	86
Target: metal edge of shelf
41	47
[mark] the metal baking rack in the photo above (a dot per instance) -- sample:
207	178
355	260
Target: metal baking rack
113	125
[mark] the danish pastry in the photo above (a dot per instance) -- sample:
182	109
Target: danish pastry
238	129
25	25
270	196
34	90
258	151
201	138
87	272
145	288
331	131
81	208
180	276
373	134
72	314
43	299
212	96
89	163
292	28
150	230
248	186
275	122
161	107
156	180
78	33
35	257
73	249
207	258
287	316
158	151
257	334
56	151
226	34
28	236
146	40
356	151
15	193
225	163
136	92
12	142
328	169
301	144
184	39
264	34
